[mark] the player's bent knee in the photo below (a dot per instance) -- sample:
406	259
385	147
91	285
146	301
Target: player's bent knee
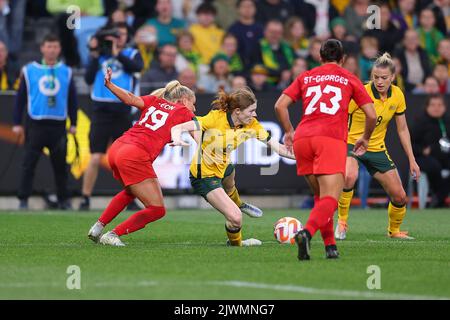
235	220
158	212
350	180
152	213
399	198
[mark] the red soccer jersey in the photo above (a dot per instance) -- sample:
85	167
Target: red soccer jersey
326	92
152	131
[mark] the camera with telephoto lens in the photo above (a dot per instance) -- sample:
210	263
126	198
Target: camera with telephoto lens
105	45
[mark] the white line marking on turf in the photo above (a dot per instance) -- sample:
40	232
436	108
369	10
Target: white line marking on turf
238	284
330	292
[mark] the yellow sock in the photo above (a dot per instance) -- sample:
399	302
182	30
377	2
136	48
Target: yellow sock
344	204
396	215
234	195
235	236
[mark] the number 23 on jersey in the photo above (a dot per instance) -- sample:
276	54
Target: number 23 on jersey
324	107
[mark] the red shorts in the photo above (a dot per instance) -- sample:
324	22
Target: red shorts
129	163
320	155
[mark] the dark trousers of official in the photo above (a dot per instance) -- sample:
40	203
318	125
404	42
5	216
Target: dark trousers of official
38	136
433	167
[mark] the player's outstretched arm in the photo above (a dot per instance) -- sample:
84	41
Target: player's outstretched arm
280	149
177	130
125	96
405	139
281	110
371	121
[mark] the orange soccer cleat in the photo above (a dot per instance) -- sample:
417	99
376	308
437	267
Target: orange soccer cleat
400	235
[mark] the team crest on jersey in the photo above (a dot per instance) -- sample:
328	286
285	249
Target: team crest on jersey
116	67
392	108
49	86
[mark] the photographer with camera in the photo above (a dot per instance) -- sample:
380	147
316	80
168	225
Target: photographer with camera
431	145
110	117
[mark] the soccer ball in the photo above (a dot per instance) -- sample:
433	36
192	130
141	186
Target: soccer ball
286	228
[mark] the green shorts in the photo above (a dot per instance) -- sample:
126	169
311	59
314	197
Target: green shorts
373	161
203	186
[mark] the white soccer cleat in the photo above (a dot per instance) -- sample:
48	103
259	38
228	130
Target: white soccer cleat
251	242
251	210
341	230
96	231
112	239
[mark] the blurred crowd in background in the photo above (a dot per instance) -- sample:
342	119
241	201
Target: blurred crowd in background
223	44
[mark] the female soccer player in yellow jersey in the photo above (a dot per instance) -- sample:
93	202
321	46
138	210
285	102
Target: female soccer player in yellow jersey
231	122
389	102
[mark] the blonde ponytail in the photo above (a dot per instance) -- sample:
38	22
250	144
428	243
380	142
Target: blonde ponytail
173	91
385	61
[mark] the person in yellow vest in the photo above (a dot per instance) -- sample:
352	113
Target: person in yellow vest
389	103
231	122
207	36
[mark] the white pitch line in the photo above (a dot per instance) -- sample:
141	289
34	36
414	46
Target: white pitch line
331	292
238	284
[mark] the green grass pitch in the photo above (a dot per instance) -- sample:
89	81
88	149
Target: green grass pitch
184	256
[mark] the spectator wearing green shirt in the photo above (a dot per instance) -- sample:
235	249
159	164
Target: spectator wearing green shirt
229	48
187	57
166	25
429	35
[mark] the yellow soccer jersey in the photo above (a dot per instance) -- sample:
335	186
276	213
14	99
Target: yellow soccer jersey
207	41
219	138
394	105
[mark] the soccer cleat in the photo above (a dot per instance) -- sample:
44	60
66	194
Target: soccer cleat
112	239
251	210
251	242
23	204
403	235
331	252
341	230
64	205
50	203
302	240
96	231
85	204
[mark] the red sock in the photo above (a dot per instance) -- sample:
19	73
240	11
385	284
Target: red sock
316	199
320	215
116	206
140	219
327	233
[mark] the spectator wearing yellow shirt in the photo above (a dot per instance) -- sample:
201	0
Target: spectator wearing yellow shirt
207	36
444	52
9	74
146	40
